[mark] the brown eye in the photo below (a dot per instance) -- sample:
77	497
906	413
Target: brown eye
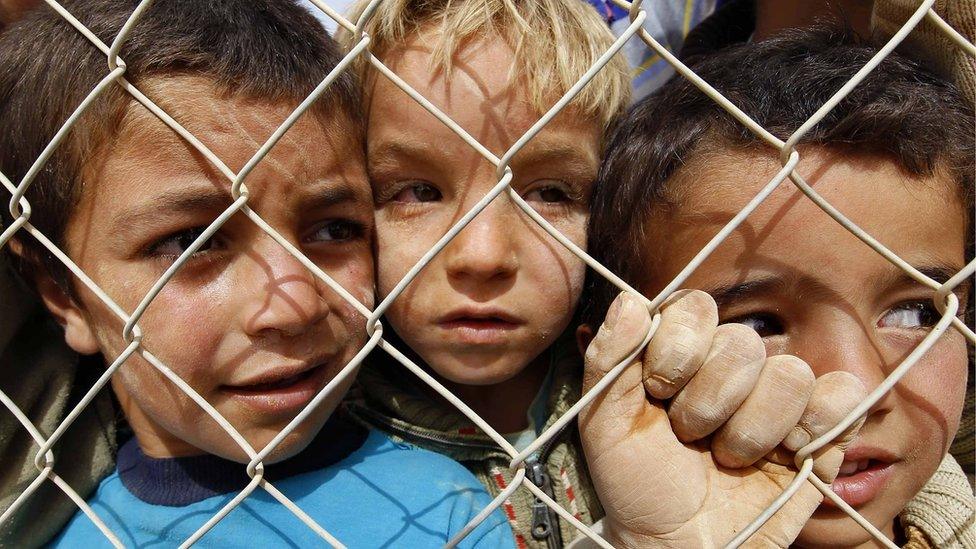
338	230
418	192
550	194
765	325
175	244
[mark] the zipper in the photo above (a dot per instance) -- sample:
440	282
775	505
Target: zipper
545	521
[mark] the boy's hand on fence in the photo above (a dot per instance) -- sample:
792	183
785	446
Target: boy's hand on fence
695	473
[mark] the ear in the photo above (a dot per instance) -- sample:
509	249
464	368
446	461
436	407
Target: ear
584	335
78	333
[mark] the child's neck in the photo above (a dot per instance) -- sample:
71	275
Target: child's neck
504	406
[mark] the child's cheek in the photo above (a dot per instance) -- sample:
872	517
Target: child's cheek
938	382
356	277
571	224
558	282
184	327
393	260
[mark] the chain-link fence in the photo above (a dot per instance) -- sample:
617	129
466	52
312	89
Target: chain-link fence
942	293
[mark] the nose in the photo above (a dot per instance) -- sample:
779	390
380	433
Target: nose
485	250
844	343
281	295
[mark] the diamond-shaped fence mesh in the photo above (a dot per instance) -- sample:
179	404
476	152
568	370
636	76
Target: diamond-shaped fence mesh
942	293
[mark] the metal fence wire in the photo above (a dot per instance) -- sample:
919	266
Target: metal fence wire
942	294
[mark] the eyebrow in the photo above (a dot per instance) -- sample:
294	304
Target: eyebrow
567	155
324	195
177	202
939	272
387	151
170	204
810	288
730	293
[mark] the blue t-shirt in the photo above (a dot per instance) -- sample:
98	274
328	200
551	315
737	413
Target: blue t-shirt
383	494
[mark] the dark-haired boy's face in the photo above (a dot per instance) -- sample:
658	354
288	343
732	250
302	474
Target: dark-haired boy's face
243	322
812	289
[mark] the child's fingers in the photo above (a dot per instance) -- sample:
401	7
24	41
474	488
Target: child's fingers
835	395
721	385
688	322
608	416
768	414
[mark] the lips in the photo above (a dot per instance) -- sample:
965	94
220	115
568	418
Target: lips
479	325
863	475
279	390
277	384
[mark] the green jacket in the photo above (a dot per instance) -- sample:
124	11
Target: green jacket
390	400
45	380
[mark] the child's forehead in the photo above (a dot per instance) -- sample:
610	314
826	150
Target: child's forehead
479	96
921	219
200	106
232	127
726	179
484	59
476	85
147	157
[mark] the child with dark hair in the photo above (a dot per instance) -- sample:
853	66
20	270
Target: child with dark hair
896	157
243	322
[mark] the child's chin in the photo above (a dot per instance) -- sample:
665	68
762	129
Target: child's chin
479	371
479	377
831	527
294	443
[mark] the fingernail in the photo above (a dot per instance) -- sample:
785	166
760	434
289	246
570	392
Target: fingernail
798	438
623	302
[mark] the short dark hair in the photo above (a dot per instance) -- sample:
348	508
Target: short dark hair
918	120
270	50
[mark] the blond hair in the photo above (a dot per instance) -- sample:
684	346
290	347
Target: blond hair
554	43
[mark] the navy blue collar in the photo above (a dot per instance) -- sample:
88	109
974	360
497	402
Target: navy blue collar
183	481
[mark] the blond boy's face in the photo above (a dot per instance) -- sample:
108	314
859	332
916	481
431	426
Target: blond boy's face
813	290
242	322
501	292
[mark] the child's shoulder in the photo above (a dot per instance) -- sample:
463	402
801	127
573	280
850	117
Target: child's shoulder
403	467
110	496
384	490
431	491
401	495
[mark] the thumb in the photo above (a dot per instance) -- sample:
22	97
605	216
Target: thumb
621	336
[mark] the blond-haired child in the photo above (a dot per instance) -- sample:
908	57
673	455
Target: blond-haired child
486	315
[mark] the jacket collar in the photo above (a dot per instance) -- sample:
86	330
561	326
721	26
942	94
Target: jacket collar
394	401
